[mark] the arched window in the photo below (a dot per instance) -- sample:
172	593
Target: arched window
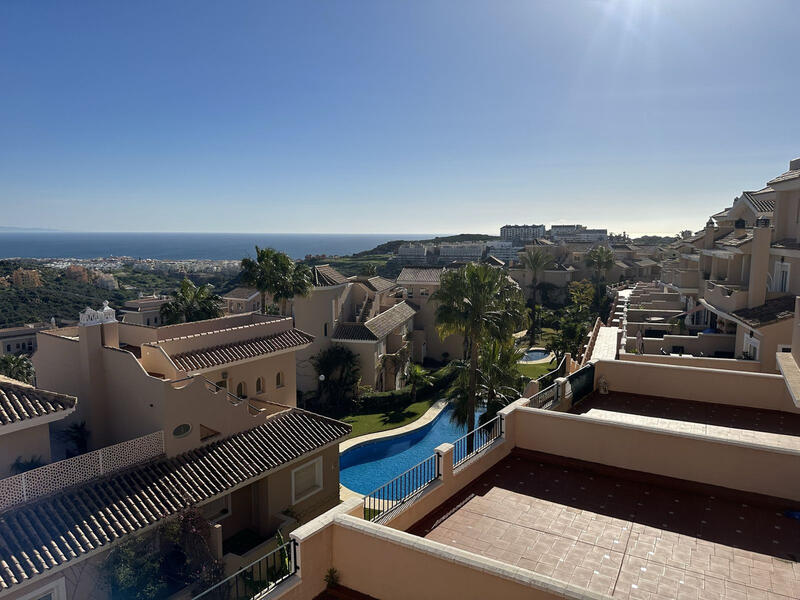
279	379
259	385
325	330
241	390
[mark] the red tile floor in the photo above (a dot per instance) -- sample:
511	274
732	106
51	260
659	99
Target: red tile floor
624	534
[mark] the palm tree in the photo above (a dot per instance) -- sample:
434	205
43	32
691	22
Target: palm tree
274	273
20	465
417	377
600	260
536	261
17	367
339	374
501	380
191	303
480	303
77	435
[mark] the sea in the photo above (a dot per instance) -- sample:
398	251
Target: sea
183	246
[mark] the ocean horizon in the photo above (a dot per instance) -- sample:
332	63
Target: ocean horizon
185	246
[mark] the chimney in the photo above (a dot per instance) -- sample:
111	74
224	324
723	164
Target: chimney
759	266
794	165
708	238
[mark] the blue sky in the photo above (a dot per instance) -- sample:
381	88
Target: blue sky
385	117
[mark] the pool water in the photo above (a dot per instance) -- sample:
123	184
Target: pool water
368	466
532	355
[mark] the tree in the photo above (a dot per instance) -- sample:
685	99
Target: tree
500	380
17	366
600	260
417	377
581	295
536	261
77	436
480	303
339	371
191	303
20	465
276	274
369	270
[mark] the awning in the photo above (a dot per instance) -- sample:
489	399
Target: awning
697	308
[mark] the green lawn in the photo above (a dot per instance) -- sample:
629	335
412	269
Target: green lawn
537	370
371	423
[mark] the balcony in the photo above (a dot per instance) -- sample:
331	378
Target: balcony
726	297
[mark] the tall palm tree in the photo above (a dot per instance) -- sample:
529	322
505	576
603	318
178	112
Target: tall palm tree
417	377
500	378
600	260
339	373
480	303
536	261
17	367
191	303
274	273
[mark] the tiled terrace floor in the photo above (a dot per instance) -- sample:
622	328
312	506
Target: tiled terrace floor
623	536
752	425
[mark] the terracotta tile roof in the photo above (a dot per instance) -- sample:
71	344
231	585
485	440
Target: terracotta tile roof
326	275
736	238
771	311
420	275
763	206
207	358
241	293
379	284
20	402
788	176
40	536
377	327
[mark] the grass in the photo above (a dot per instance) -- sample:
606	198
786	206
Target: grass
370	423
537	370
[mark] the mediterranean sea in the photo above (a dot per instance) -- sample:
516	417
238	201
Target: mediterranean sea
179	246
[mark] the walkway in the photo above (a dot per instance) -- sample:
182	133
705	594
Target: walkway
605	346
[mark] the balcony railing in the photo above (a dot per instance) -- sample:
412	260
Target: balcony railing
545	399
476	441
390	497
257	578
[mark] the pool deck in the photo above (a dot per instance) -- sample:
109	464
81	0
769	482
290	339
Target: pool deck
430	415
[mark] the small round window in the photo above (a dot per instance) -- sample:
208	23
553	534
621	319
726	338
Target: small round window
182	430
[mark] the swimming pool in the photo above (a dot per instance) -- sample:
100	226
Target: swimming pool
368	466
532	355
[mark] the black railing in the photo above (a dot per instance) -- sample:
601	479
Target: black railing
380	504
465	448
257	578
545	399
548	378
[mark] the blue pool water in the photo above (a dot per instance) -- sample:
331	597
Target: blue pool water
532	355
368	466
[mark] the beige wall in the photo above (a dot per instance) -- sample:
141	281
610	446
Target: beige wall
738	466
425	320
26	444
757	390
769	336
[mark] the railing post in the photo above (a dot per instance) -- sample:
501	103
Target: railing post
444	458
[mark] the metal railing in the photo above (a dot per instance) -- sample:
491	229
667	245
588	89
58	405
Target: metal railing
481	438
545	399
549	377
258	577
384	501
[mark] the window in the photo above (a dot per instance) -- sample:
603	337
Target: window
182	430
241	389
8	347
222	384
423	292
780	283
750	348
148	321
279	383
306	480
325	330
259	385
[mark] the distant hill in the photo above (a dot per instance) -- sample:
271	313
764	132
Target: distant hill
6	229
654	240
392	246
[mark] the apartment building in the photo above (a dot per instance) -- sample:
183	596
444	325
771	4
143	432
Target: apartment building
145	310
418	285
733	280
191	415
413	254
519	234
242	300
623	480
20	340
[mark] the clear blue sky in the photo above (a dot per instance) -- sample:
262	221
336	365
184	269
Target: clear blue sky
378	116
